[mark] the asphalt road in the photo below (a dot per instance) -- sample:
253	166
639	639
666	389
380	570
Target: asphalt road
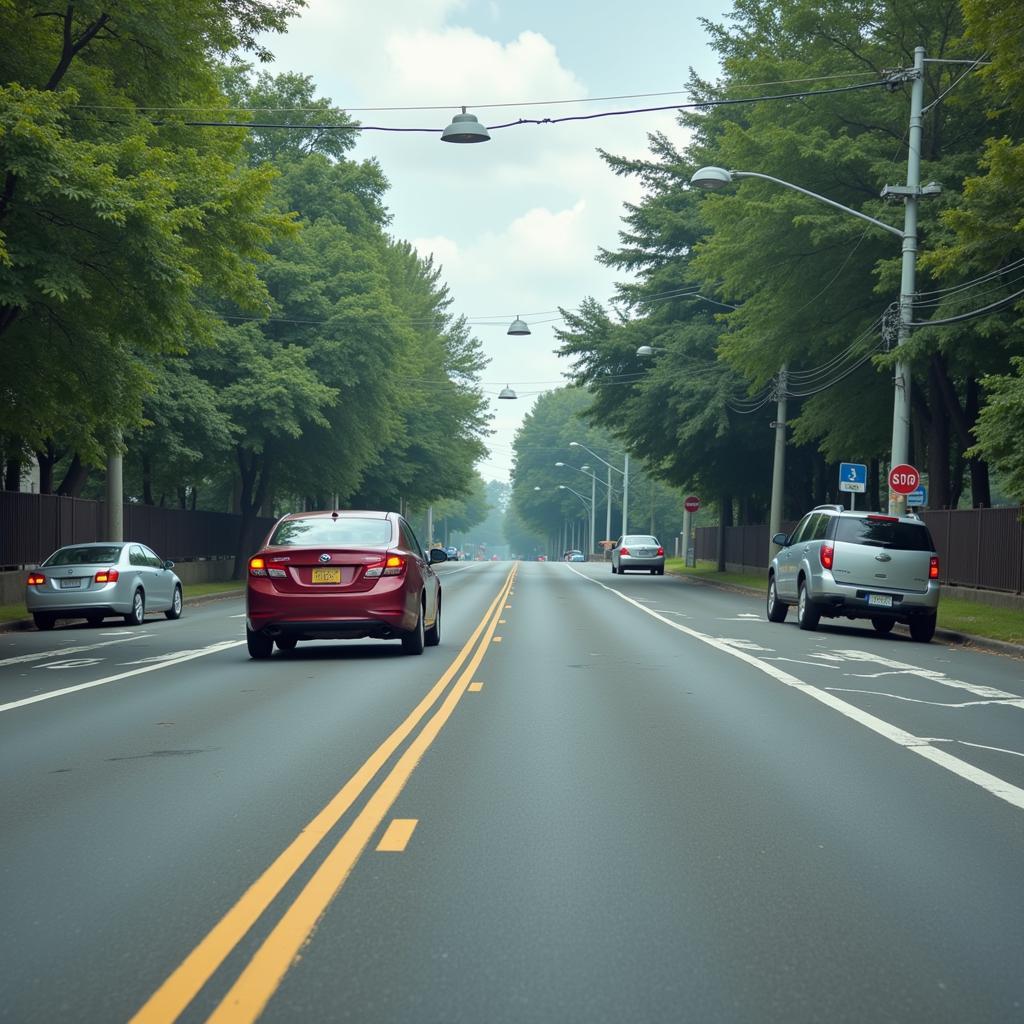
602	798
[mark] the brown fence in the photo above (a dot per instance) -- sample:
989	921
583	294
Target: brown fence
34	525
978	547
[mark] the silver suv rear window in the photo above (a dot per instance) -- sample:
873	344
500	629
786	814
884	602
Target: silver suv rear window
345	531
884	533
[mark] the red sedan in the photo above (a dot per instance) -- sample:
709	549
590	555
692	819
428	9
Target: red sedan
342	576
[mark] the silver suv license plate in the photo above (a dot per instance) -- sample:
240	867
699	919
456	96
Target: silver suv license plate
880	600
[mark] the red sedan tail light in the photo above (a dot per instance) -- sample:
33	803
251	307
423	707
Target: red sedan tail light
110	575
392	565
825	554
35	579
623	551
257	566
933	567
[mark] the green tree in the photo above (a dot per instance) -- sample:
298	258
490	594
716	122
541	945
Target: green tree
110	221
986	237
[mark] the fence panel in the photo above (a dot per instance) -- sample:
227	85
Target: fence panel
32	526
980	547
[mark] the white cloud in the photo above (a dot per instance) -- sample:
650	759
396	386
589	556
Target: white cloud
516	222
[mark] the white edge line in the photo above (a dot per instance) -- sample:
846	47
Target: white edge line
227	645
993	784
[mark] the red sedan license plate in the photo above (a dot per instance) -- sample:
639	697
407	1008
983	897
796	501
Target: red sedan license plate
327	575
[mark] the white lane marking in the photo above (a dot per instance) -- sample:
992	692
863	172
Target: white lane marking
746	645
239	616
71	663
1014	703
64	651
1000	788
929	674
983	746
668	611
169	656
212	649
742	617
799	661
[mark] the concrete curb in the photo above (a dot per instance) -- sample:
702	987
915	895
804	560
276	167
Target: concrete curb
948	636
17	625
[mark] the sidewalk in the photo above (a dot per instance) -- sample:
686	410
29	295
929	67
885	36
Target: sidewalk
948	636
15	625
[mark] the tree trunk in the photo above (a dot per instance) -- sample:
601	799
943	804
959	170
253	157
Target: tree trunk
874	490
47	459
74	478
963	420
147	479
254	485
12	475
724	521
938	442
981	494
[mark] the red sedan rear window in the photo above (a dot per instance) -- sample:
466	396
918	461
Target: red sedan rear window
343	532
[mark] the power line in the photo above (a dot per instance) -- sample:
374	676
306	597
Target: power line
475	106
971	314
702	105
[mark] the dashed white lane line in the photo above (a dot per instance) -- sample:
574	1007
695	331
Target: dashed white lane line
212	649
1015	702
1000	788
63	652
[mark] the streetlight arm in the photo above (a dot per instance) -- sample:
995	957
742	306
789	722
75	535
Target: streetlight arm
823	199
586	504
576	444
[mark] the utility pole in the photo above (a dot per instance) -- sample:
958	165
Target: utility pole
910	195
608	519
779	467
593	513
625	495
115	489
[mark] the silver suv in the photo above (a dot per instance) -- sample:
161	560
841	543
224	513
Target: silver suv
862	565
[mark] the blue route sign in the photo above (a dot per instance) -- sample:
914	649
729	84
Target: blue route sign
918	497
853	477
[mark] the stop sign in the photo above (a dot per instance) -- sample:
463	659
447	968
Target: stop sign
692	503
904	479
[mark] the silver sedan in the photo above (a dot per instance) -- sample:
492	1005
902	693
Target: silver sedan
93	581
638	552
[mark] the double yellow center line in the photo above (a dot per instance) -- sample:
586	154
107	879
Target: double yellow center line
263	974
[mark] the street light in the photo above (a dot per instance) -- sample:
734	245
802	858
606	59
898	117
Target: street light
713	178
624	473
465	128
585	470
586	505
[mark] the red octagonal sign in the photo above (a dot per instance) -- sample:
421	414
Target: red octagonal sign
904	479
692	503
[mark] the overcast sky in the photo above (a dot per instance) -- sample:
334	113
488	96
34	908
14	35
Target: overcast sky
515	222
